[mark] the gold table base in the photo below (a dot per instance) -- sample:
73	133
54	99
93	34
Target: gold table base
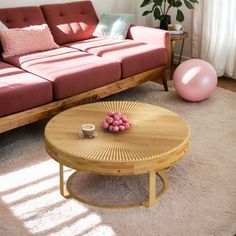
66	191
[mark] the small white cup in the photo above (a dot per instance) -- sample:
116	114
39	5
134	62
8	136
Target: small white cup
178	27
88	130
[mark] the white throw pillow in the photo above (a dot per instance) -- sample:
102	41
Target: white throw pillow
2	26
113	26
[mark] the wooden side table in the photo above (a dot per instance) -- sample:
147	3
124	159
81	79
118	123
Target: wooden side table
174	38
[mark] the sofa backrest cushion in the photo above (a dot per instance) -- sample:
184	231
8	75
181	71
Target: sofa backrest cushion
21	17
71	22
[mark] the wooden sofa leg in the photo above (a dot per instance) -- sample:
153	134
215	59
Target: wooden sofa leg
164	80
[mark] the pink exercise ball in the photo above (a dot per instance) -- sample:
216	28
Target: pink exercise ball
195	80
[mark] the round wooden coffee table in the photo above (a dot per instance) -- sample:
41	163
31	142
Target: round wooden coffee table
157	140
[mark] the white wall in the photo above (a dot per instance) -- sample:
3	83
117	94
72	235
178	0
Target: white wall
124	6
101	5
15	3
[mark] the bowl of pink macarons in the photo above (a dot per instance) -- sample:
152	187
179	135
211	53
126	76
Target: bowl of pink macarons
116	122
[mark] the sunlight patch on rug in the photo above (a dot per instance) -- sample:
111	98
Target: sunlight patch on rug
25	176
81	226
32	195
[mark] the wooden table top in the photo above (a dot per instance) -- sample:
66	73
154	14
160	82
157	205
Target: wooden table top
158	138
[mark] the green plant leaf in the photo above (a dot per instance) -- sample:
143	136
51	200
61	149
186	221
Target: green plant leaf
146	13
157	13
158	2
171	2
194	1
177	4
189	5
153	8
179	16
145	3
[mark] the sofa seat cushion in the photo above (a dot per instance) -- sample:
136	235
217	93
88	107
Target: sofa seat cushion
70	22
71	71
20	90
135	57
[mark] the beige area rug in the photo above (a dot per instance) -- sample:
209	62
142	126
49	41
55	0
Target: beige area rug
201	199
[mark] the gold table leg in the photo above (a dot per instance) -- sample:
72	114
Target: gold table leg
152	188
152	192
63	189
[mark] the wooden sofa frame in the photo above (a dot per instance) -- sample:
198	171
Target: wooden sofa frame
38	113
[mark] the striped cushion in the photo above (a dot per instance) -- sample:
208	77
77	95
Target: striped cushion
113	26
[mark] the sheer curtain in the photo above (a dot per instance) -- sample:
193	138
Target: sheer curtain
214	34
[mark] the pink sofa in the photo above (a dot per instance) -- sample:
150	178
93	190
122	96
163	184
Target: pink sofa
84	68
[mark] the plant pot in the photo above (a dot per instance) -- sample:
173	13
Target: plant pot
165	21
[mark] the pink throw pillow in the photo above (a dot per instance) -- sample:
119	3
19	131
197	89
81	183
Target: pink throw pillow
26	40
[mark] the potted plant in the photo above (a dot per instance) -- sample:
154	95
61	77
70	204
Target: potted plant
160	9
